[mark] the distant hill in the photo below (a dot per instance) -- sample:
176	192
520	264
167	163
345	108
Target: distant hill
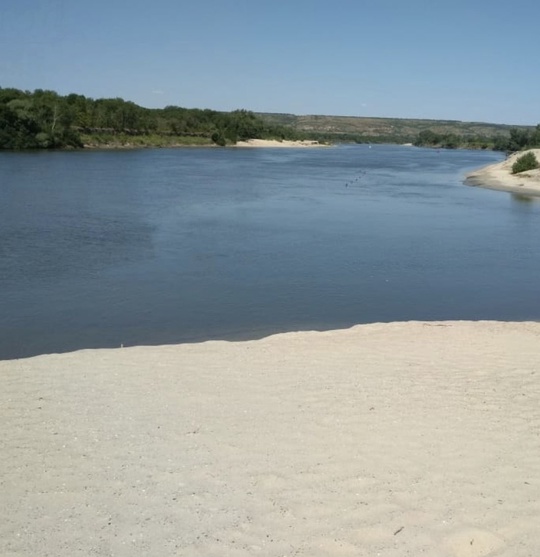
403	130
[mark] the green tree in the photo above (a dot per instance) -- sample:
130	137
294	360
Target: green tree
519	139
427	138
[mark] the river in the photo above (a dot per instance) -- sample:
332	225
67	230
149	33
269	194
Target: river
109	248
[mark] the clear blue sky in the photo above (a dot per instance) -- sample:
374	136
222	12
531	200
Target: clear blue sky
453	59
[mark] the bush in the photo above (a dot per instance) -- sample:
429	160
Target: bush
218	139
525	162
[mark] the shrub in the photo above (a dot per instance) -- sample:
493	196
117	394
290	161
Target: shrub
218	139
525	162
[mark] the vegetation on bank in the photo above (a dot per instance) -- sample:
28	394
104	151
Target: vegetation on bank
520	139
449	134
429	138
517	139
47	120
527	161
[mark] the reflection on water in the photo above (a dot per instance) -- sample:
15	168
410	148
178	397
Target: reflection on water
520	198
99	249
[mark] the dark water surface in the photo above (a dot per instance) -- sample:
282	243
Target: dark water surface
104	248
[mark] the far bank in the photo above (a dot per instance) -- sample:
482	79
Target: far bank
499	176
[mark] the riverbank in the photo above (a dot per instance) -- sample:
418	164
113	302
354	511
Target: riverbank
386	438
278	143
152	141
139	142
499	177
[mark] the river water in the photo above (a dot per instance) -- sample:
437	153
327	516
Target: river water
104	248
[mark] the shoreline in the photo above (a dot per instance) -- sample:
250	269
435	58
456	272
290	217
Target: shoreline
392	438
252	143
499	177
275	143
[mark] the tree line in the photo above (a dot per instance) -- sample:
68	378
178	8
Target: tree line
517	140
46	120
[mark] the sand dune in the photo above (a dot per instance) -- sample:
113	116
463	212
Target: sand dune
384	439
499	177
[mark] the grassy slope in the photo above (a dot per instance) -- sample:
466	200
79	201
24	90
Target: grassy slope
405	129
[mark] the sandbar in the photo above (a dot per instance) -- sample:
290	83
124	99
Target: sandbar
419	438
276	143
499	176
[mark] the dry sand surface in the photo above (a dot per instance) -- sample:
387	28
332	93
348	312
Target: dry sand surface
499	177
275	143
385	439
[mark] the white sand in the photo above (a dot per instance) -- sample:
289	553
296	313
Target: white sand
275	143
386	439
499	177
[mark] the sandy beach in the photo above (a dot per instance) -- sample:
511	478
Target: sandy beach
275	143
384	439
499	177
